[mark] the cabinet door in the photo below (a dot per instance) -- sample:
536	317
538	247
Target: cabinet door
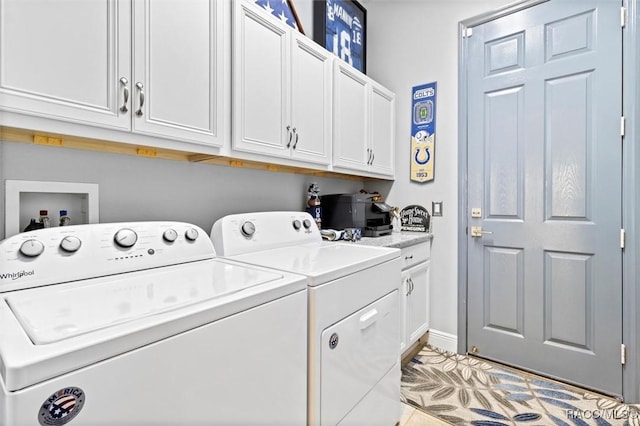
383	132
404	295
418	302
260	82
310	101
178	89
350	118
63	59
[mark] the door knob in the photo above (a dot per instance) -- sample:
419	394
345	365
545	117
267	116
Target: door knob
477	232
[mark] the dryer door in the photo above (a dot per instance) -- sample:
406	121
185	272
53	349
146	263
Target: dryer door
356	354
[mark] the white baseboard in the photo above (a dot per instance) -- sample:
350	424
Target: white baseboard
442	340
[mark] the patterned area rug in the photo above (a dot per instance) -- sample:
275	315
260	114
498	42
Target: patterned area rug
463	390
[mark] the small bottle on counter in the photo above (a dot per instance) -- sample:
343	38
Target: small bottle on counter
64	219
313	204
395	219
44	219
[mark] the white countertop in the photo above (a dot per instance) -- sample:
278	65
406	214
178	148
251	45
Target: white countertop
397	240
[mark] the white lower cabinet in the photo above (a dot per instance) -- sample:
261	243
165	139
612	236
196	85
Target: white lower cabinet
414	293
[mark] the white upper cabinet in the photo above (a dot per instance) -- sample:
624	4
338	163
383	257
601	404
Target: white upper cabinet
364	124
71	60
281	89
177	70
260	82
350	118
382	130
64	59
311	76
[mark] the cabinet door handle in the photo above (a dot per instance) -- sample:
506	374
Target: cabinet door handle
296	142
140	86
290	136
408	287
368	156
373	157
124	82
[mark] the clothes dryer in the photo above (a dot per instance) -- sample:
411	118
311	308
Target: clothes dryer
354	336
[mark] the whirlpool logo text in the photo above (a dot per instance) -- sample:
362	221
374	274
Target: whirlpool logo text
16	275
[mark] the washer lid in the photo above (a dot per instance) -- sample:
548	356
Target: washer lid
323	261
49	331
58	312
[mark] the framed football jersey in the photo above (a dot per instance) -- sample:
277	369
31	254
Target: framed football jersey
340	26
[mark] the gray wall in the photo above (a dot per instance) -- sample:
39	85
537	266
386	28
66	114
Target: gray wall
137	188
410	42
413	42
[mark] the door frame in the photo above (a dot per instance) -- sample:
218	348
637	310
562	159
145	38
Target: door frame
631	204
630	187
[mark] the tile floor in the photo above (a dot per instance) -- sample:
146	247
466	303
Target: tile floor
413	417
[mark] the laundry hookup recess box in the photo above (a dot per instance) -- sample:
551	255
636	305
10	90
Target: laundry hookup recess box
24	199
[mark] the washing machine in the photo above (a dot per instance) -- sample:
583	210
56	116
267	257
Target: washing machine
141	324
354	336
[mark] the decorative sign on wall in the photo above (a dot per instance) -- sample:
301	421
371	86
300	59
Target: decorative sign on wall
340	26
415	218
423	132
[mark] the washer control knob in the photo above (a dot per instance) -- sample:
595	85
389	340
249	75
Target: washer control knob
296	224
70	244
248	229
191	234
170	235
306	223
125	237
32	248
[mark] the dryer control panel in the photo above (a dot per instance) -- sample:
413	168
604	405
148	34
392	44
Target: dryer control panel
249	232
62	254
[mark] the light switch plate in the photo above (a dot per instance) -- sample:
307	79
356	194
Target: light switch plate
436	208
